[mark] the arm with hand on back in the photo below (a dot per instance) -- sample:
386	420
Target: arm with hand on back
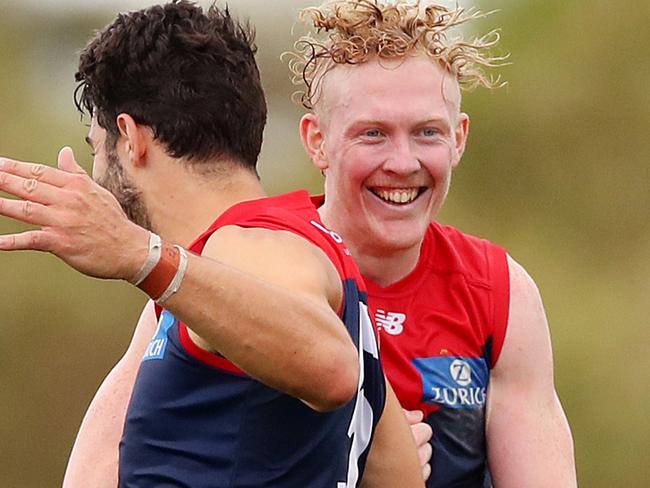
94	458
393	459
422	433
528	436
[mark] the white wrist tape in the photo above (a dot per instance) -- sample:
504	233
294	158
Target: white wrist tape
155	248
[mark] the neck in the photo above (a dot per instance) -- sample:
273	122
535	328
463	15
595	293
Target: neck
383	265
183	203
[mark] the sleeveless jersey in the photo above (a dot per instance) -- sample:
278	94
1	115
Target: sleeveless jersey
442	329
195	420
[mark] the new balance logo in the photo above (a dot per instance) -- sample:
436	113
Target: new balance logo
391	322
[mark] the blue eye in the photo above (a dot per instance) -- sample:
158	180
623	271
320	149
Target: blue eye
373	133
429	132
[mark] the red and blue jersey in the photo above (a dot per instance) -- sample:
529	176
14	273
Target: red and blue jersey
196	420
442	328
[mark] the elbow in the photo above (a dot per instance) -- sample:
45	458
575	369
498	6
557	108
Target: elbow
338	381
337	396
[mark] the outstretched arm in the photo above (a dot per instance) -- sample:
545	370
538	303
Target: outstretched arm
94	458
528	436
288	318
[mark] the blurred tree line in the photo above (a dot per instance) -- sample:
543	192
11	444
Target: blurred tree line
556	171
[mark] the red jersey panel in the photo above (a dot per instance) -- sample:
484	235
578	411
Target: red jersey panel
454	304
442	329
195	420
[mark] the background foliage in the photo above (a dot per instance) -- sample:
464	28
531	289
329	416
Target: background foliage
556	171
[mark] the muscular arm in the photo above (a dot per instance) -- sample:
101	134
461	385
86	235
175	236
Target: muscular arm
265	300
94	458
393	460
528	436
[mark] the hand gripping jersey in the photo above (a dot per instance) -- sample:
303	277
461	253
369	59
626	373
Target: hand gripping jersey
442	329
196	421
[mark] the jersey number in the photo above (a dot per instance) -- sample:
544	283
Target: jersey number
360	429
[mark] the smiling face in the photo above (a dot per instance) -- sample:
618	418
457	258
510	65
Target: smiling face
387	136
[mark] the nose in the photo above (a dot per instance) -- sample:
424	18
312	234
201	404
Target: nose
401	159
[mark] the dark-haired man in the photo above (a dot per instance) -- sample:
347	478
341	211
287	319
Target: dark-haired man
253	376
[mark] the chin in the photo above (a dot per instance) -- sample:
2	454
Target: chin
395	239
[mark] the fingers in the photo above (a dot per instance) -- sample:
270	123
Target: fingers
68	163
424	453
26	211
413	416
38	172
28	188
34	240
426	471
421	433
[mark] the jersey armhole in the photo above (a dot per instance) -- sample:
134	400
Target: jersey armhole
206	357
270	222
321	243
500	275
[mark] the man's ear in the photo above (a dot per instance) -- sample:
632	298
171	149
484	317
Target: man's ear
136	138
313	139
461	133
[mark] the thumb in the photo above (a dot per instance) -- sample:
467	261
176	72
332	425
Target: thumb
413	416
67	162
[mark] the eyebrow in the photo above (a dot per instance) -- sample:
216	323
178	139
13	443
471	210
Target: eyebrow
440	121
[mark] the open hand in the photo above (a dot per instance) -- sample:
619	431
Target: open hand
80	222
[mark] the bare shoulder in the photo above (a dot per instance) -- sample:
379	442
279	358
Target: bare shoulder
526	353
522	286
526	307
279	257
527	432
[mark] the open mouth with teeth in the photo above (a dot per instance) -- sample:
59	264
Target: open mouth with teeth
398	196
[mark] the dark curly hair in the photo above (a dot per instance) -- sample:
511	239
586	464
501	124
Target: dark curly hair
188	75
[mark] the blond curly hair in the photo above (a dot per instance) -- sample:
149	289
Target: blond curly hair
354	31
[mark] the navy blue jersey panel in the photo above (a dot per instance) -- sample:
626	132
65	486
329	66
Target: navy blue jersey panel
459	448
196	421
